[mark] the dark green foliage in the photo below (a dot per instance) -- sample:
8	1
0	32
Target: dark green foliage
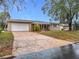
36	27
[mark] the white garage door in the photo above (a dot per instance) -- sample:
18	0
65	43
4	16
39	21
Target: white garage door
20	27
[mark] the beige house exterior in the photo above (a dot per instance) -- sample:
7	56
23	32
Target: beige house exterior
26	25
19	25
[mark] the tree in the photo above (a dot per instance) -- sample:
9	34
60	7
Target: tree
7	5
62	9
3	19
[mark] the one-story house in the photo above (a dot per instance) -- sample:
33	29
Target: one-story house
26	25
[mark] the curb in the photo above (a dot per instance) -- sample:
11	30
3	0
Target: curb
7	57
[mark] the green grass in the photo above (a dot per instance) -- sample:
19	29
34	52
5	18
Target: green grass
64	35
6	43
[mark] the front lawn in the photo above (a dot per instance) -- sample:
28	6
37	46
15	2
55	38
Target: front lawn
64	35
6	43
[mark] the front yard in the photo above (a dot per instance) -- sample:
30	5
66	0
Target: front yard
6	43
64	35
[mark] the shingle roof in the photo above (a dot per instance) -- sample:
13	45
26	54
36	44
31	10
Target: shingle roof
18	20
40	22
33	22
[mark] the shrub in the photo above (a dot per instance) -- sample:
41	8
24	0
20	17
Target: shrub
36	27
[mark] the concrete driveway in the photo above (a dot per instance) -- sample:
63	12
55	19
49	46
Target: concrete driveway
27	42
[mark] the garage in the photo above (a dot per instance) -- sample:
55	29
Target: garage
19	25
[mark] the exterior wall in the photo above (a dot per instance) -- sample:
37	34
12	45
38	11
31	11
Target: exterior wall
9	27
30	25
43	27
54	27
64	27
59	27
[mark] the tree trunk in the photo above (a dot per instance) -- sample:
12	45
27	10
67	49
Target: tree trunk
70	25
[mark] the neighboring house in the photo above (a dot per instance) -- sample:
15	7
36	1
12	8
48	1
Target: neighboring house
26	25
64	26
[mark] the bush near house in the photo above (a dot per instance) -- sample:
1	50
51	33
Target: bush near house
6	43
36	27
